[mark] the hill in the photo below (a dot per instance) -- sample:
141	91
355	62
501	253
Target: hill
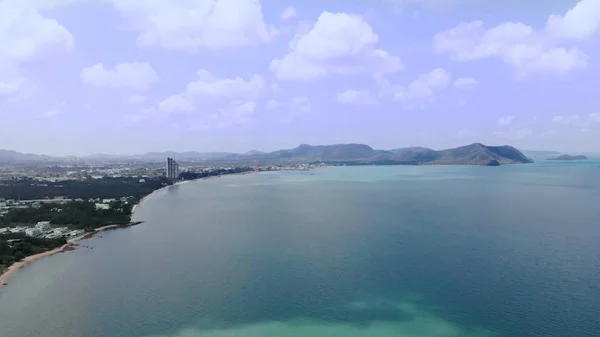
7	156
474	154
568	157
351	154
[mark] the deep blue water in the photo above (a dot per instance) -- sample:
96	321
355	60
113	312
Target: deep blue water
508	251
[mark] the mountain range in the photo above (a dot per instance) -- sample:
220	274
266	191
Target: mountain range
473	154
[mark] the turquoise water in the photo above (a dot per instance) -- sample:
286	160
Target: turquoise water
449	251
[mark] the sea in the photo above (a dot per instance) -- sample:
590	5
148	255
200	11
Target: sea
402	251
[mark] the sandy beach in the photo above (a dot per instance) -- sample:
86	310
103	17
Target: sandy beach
134	209
70	245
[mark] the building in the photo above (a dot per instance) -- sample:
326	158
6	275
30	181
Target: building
33	232
43	225
76	232
60	230
172	169
102	206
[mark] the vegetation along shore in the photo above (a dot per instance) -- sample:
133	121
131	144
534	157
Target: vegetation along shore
33	229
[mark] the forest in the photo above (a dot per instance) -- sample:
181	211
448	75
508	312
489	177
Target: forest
30	189
73	214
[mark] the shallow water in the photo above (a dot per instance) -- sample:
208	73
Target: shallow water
348	251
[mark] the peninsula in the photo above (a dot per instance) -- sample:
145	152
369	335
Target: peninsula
569	157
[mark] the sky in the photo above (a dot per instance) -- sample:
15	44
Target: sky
131	76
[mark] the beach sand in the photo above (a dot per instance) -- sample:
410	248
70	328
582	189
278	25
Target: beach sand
70	245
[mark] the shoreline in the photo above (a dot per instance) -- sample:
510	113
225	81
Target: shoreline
135	207
69	246
72	243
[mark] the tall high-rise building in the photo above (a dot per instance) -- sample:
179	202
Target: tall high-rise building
172	169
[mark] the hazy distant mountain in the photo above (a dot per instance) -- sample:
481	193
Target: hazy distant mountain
479	154
7	156
538	153
474	154
568	157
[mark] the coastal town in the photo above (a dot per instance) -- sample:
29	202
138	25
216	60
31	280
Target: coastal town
47	207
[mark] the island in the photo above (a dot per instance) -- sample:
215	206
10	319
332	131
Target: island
569	157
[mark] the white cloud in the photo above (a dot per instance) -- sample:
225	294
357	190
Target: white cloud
526	50
506	120
581	22
176	103
26	37
272	104
356	97
465	83
237	113
337	44
595	117
208	85
275	87
288	13
299	104
136	99
191	25
232	98
16	88
134	75
423	89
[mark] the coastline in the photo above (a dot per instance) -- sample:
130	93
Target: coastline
72	243
135	207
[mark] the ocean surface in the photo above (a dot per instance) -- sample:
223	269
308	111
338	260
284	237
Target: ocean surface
510	251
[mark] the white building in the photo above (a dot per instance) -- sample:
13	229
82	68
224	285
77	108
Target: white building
33	232
76	232
102	206
43	225
60	230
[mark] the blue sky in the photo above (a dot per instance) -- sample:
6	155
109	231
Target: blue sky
131	76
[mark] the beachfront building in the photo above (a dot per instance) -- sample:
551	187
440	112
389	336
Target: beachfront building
43	226
33	232
76	232
172	169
